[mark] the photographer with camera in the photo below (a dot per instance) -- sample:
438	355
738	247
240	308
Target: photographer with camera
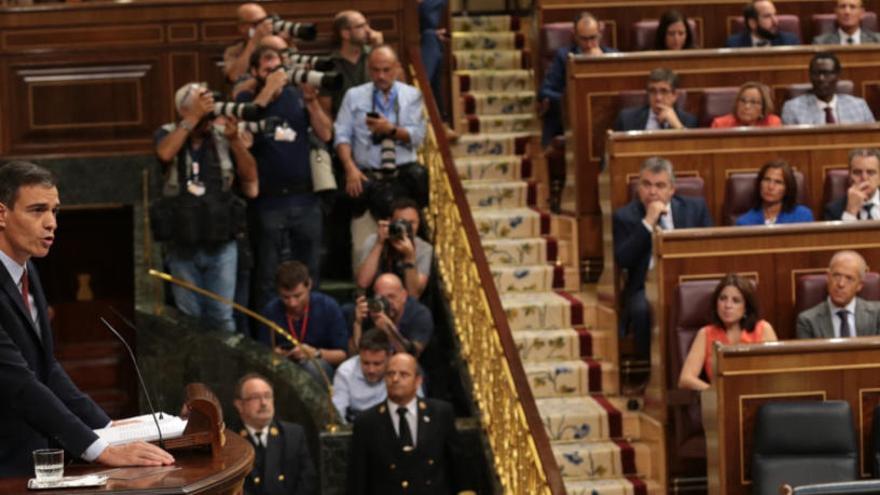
378	130
288	212
253	25
407	322
396	248
198	215
354	39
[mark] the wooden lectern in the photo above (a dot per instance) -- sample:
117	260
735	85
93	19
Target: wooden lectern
222	471
747	376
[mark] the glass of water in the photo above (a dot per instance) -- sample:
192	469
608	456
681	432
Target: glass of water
49	464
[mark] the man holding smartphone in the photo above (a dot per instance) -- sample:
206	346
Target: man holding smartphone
378	130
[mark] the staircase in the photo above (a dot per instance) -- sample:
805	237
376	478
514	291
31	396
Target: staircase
566	340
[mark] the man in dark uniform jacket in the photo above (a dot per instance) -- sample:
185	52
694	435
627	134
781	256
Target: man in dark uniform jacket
39	404
406	444
657	206
282	464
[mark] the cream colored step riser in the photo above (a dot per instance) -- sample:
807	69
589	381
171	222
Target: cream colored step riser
600	460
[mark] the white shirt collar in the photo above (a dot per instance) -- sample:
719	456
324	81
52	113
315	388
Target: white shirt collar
15	270
410	406
856	36
262	434
851	307
832	103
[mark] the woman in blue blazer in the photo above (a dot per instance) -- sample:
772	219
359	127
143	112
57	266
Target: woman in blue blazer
776	201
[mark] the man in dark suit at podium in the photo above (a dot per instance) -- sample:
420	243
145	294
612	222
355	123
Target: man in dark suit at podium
282	464
656	207
406	444
39	404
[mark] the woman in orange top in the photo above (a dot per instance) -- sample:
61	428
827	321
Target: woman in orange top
753	107
734	321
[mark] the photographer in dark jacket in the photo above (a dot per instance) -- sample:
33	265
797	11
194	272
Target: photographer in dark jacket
407	322
396	248
198	215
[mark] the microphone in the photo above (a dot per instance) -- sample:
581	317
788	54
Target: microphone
130	325
140	378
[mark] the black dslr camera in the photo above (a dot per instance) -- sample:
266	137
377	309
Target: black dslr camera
378	304
399	229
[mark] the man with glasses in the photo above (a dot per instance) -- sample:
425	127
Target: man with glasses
824	105
656	207
862	200
282	464
660	111
849	30
587	41
761	28
843	314
354	39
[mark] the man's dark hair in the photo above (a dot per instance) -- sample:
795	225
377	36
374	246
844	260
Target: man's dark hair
747	288
291	274
17	174
403	203
246	378
254	61
662	74
749	12
789	200
826	55
374	340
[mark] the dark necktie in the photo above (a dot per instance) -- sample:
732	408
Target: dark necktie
259	455
404	434
829	116
25	292
867	207
844	323
850	41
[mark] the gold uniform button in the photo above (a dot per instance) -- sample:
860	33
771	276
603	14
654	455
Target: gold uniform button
257	480
280	477
392	467
430	462
404	484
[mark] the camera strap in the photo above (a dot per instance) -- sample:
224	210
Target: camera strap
392	106
183	162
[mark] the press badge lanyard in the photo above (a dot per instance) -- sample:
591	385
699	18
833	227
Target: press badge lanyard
304	328
392	103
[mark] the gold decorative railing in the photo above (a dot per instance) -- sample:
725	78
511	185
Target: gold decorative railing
521	450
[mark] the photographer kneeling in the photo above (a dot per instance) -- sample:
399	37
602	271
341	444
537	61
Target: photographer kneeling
406	321
396	248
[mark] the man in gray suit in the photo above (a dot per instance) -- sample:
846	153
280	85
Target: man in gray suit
823	105
849	26
842	314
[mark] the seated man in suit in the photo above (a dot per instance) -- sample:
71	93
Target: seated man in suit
849	30
823	105
40	406
406	444
761	28
843	314
657	206
862	200
282	464
660	112
587	40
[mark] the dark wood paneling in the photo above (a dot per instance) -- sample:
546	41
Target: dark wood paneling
93	106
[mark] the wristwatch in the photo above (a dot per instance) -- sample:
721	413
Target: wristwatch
186	125
318	354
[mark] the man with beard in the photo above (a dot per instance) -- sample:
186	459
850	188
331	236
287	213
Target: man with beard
823	105
282	464
354	38
199	163
761	28
357	385
289	220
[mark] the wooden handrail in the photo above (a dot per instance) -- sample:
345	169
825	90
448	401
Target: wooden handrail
514	482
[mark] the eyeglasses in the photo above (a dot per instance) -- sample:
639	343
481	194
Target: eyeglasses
660	91
749	101
587	39
266	397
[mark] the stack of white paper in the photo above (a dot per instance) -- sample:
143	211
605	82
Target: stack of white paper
143	428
